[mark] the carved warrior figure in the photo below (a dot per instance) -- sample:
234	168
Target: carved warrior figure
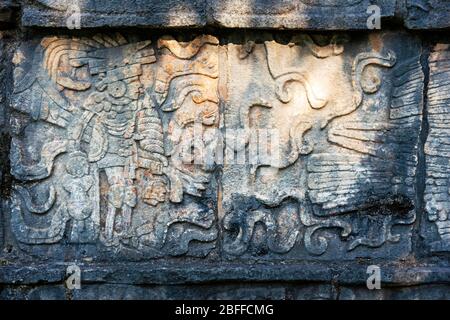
90	92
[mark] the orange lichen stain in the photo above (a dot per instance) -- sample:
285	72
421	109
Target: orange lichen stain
376	41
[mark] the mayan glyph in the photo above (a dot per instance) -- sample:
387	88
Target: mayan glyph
113	119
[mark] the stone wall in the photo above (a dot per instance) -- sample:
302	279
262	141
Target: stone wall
212	149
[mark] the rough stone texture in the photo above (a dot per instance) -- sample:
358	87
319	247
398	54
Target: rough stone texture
427	14
110	143
294	14
279	14
215	163
7	9
437	151
2	131
347	145
101	126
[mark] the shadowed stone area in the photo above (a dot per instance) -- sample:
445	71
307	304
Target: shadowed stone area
207	162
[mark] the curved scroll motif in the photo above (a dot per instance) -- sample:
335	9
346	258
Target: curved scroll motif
282	229
380	234
362	61
283	93
38	171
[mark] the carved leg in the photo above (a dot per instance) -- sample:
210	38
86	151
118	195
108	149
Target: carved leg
115	198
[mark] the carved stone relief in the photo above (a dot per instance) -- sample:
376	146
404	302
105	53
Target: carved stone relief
100	123
304	14
107	131
437	190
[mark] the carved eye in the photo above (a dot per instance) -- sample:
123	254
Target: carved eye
117	89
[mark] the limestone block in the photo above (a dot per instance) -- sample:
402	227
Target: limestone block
298	148
7	8
267	14
298	14
427	14
98	13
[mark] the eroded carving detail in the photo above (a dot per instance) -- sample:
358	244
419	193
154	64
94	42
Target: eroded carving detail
107	135
437	190
338	184
104	106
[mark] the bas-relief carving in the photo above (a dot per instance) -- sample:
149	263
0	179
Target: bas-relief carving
279	14
2	125
94	160
348	123
99	123
437	192
108	13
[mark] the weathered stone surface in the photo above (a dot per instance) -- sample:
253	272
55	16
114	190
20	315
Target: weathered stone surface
2	93
7	9
289	14
427	14
3	134
394	273
261	291
98	13
219	163
423	292
98	139
437	150
267	14
344	119
294	14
